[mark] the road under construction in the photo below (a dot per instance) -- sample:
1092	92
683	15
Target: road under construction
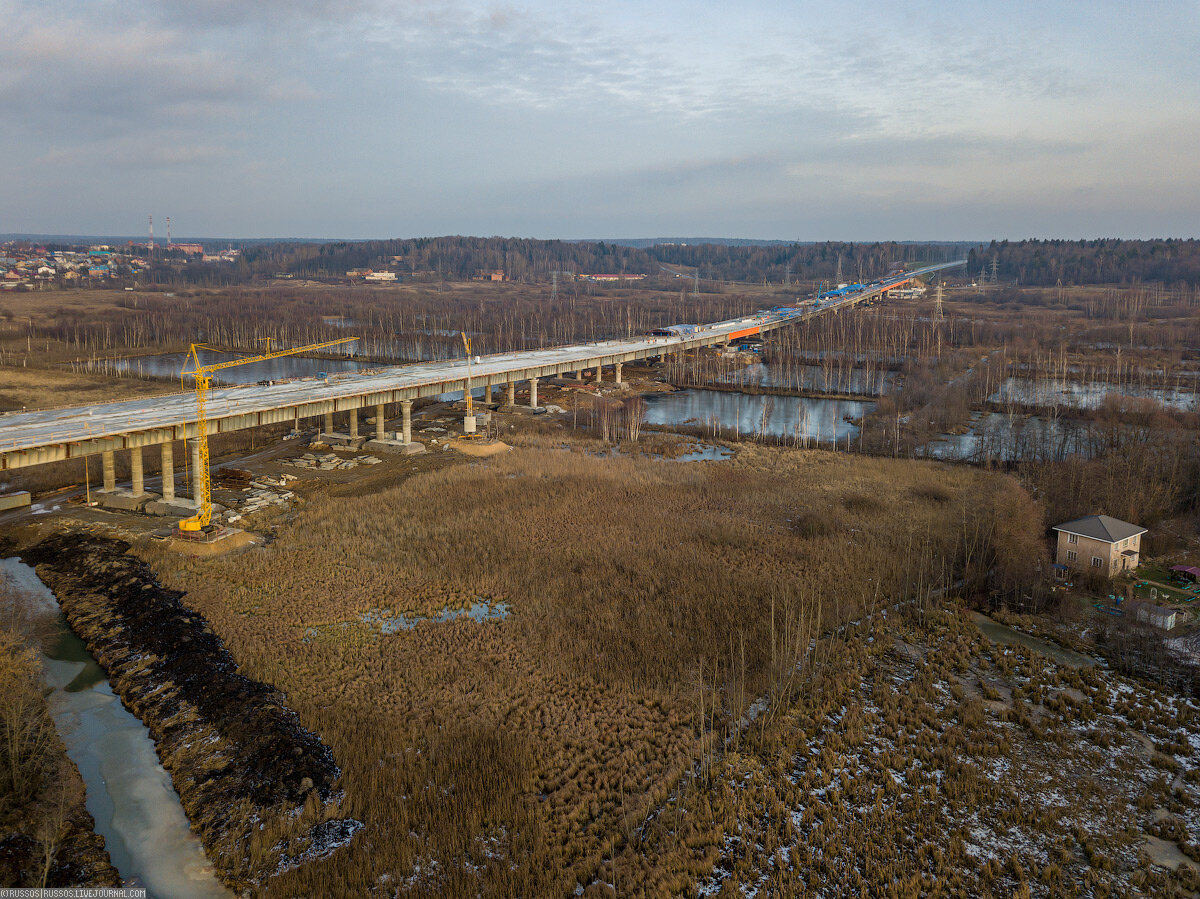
55	435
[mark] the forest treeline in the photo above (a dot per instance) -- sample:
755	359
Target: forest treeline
1026	262
527	260
1048	263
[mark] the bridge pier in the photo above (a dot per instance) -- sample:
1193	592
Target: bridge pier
168	472
353	424
511	400
108	461
599	372
133	499
617	374
406	421
137	471
168	504
403	444
533	382
328	429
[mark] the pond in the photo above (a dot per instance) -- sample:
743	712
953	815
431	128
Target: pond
1088	394
997	436
1002	633
129	793
739	415
168	365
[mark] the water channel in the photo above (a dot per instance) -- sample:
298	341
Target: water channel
129	793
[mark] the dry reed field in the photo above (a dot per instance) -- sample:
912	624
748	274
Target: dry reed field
928	761
649	603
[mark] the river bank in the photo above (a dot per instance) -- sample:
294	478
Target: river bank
47	836
259	789
136	814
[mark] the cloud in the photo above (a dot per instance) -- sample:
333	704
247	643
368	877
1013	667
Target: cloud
100	76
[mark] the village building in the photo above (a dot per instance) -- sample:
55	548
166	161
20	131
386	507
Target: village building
1099	544
1154	615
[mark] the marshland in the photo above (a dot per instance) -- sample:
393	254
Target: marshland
755	672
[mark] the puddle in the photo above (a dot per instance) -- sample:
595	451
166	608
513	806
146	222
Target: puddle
704	452
387	623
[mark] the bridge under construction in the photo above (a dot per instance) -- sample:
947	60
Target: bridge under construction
34	438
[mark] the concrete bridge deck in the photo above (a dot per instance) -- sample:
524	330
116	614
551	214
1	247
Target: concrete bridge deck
32	438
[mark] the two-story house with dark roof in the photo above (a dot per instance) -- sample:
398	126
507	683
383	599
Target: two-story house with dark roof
1099	544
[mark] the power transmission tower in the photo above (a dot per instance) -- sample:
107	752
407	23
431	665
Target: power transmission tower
937	303
995	269
787	277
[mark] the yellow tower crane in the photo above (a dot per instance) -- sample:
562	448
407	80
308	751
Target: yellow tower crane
203	377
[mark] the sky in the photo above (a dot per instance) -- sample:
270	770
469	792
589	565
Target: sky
760	119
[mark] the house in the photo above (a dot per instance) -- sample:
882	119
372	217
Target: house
1153	615
380	276
1098	543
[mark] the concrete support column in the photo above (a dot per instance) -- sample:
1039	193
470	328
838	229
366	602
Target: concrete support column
487	394
109	460
617	374
379	420
512	394
137	471
353	423
406	421
599	372
533	393
197	473
168	472
328	429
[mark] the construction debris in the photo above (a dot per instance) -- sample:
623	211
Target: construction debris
260	499
234	478
330	462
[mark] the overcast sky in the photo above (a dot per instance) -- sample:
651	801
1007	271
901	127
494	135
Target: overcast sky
790	120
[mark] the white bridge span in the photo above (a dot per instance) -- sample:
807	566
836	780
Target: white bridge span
33	438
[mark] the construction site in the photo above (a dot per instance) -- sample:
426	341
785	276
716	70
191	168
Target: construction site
525	622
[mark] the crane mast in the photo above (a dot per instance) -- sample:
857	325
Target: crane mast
202	374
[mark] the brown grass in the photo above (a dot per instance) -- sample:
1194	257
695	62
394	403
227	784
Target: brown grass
651	602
